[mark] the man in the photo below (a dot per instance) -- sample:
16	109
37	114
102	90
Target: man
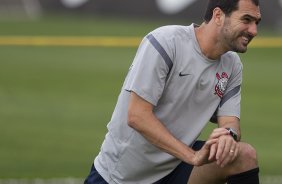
180	77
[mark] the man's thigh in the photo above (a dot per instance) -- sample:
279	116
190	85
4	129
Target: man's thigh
179	175
182	172
207	174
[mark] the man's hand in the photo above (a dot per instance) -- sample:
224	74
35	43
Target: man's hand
208	152
225	151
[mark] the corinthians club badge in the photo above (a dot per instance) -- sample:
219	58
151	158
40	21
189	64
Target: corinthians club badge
220	87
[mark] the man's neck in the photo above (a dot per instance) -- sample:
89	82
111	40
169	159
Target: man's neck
209	43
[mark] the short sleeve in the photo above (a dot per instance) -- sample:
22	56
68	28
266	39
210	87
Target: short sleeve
148	73
231	100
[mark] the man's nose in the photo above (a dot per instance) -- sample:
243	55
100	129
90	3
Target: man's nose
253	29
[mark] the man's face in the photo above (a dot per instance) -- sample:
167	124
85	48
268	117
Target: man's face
241	26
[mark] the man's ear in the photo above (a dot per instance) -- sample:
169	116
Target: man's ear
218	16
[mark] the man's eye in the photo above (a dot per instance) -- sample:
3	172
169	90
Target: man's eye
247	20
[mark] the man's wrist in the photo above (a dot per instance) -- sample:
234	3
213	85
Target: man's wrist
233	133
196	161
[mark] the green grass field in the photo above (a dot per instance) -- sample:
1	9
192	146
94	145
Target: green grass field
56	101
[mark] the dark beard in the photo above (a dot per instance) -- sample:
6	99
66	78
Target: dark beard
240	49
232	40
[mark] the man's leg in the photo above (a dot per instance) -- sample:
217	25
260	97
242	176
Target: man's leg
181	173
243	170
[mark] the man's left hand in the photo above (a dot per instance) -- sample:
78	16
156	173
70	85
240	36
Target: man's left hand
224	151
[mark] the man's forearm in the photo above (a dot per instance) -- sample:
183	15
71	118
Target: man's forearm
230	122
158	135
142	119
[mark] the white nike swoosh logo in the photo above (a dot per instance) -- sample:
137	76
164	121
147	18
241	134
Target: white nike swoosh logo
183	74
173	6
73	3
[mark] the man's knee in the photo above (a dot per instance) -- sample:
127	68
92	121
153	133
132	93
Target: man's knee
245	169
246	160
248	154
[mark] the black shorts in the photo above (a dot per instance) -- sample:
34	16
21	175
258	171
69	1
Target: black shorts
179	175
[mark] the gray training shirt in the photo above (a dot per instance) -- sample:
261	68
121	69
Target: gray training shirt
186	88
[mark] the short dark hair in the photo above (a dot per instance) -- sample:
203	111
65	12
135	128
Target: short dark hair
227	6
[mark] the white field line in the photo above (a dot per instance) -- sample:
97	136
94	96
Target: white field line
271	179
43	181
277	179
107	41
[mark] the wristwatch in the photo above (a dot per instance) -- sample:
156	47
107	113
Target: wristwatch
233	133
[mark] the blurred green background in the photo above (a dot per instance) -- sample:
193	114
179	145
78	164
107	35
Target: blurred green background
55	101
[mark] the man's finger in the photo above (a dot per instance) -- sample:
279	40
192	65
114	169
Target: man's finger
227	148
220	148
236	151
212	152
218	132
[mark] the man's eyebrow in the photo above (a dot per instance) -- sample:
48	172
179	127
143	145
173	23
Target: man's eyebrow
256	19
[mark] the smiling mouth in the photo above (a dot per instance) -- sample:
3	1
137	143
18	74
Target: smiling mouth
246	39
